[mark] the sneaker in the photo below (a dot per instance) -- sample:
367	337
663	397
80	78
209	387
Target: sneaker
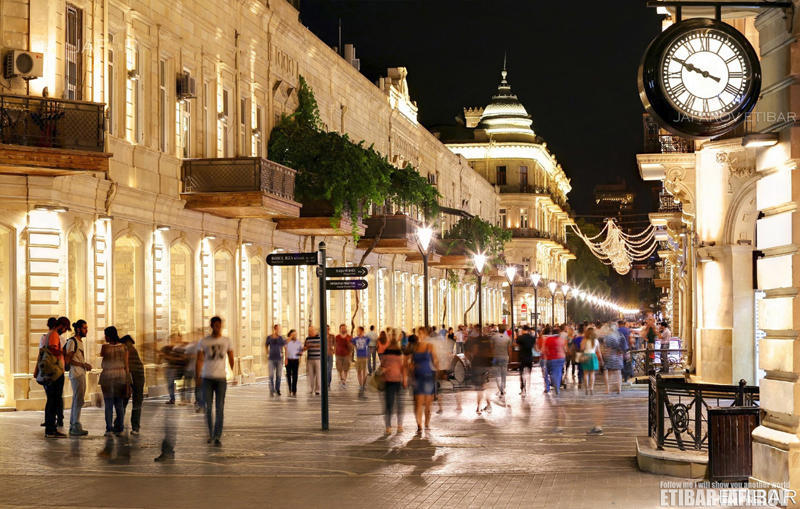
399	429
217	443
78	432
164	457
135	432
108	434
595	431
170	402
55	434
278	393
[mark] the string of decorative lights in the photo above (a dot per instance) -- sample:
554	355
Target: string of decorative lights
614	247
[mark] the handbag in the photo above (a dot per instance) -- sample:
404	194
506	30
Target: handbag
48	367
378	380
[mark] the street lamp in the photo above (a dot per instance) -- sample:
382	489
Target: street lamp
565	289
552	285
511	272
424	236
535	278
479	260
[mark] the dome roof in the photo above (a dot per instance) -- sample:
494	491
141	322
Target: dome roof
505	115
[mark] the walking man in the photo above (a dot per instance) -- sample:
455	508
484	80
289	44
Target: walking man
211	365
361	345
74	360
343	348
373	348
274	346
526	344
313	348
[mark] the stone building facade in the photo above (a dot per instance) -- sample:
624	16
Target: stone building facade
114	222
730	245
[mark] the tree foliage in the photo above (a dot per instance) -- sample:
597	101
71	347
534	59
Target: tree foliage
479	236
348	175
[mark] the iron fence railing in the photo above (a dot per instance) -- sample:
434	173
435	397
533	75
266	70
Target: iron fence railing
238	174
678	410
664	361
52	123
666	202
531	189
533	233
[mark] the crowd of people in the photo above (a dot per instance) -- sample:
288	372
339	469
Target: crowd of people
391	360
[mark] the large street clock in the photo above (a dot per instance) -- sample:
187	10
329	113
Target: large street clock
699	78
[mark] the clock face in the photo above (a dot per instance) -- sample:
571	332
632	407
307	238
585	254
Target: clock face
699	78
705	74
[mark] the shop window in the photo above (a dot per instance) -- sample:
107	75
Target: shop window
76	276
224	290
258	284
181	290
127	297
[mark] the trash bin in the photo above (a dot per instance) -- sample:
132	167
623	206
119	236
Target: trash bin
730	442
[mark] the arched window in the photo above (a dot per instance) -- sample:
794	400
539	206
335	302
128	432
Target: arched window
258	308
6	278
127	292
224	291
76	275
181	290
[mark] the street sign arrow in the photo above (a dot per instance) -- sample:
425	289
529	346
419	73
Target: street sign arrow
346	284
292	259
343	271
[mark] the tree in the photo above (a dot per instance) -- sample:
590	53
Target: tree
474	235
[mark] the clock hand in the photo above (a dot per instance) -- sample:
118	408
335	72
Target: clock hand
691	67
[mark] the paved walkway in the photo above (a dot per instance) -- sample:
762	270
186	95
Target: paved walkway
274	455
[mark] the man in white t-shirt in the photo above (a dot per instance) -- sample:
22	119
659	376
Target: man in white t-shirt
211	353
372	360
460	339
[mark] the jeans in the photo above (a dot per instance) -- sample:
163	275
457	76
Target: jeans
501	365
137	394
393	402
78	393
55	404
554	369
274	376
460	347
372	359
188	387
172	375
545	374
112	404
215	387
313	374
525	367
292	365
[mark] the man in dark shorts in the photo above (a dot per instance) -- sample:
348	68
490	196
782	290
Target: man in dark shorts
526	343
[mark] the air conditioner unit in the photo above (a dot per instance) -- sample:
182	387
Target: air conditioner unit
24	64
186	87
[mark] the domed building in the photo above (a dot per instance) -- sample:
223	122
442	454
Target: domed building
499	142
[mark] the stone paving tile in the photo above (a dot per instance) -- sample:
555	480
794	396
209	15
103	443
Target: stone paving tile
274	455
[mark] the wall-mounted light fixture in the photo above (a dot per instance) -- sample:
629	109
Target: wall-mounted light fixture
754	140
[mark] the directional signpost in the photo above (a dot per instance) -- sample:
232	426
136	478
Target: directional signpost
318	258
346	284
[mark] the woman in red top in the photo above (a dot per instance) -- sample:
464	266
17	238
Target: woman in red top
554	348
54	389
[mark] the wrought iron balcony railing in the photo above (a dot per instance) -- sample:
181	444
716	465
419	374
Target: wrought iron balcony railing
238	174
529	189
533	233
666	203
52	123
658	141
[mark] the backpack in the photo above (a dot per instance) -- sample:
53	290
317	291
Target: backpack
66	349
49	369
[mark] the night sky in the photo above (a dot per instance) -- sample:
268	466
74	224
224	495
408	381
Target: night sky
572	64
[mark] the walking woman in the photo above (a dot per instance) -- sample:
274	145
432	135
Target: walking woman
114	380
422	362
590	363
394	372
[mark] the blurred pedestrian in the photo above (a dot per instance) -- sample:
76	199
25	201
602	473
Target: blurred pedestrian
540	340
423	365
526	344
361	347
373	349
190	384
294	349
312	347
383	340
114	381
501	351
395	376
49	371
175	356
75	363
479	352
211	367
616	347
555	350
590	353
274	346
136	368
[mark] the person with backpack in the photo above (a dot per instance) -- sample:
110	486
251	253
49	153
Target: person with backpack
74	363
49	372
114	381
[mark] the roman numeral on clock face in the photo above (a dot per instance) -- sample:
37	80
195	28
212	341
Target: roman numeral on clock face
703	43
731	89
678	89
736	74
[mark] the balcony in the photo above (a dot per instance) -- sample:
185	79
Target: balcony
43	136
398	235
532	233
316	218
239	187
659	141
535	190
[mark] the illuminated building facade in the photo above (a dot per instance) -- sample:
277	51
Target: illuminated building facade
501	146
139	194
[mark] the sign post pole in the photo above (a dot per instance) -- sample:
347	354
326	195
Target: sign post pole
323	334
